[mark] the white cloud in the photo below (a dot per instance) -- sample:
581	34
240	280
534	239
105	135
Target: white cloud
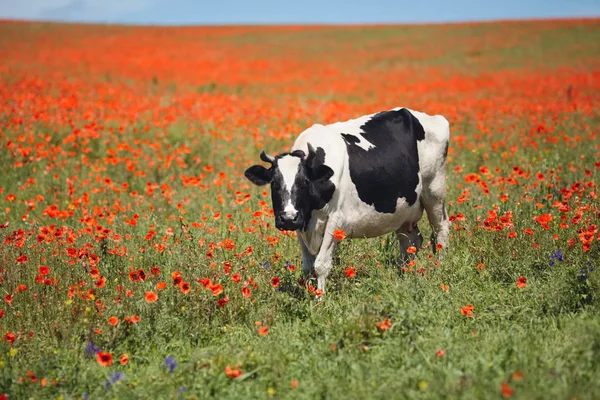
80	10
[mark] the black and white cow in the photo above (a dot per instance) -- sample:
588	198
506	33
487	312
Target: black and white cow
368	176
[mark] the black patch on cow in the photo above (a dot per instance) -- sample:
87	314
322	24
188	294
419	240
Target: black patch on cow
350	138
446	150
388	171
279	197
321	189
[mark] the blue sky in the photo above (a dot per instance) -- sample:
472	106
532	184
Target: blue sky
200	12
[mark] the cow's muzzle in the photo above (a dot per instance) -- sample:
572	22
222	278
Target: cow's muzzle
285	222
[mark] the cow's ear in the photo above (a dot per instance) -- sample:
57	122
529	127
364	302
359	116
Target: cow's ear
321	188
259	175
315	164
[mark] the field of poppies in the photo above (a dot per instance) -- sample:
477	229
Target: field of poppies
138	262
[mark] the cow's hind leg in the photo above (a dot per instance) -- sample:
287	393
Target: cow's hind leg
434	201
408	236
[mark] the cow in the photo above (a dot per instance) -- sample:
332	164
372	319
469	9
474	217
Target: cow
367	176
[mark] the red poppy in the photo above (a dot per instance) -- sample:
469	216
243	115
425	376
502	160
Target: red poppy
222	301
518	375
246	292
113	321
150	297
216	289
384	325
100	282
275	281
227	267
467	310
10	337
521	282
263	331
177	280
233	372
350	273
506	390
104	359
339	234
472	178
228	244
185	287
205	282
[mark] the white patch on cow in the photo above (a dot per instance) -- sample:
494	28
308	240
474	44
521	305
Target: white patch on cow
288	165
362	142
289	210
353	127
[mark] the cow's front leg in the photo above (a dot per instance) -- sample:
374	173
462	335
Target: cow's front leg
324	260
308	260
408	235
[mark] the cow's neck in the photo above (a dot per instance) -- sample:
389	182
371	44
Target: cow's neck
314	231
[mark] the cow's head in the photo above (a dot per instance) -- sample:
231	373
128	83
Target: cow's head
299	184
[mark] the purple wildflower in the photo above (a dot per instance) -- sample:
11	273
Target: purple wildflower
115	377
91	350
170	363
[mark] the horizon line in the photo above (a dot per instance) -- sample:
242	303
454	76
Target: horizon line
303	24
